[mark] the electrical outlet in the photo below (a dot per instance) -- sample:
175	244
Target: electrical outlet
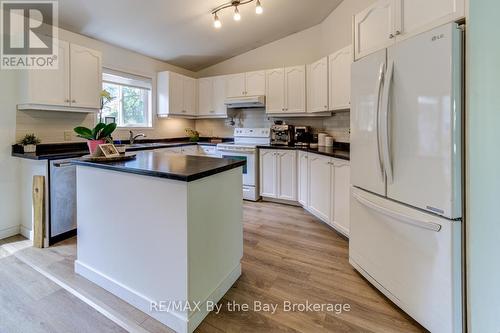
67	135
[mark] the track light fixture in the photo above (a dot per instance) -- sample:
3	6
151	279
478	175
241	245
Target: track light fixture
236	16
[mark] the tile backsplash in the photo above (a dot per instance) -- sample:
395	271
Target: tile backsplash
50	126
337	125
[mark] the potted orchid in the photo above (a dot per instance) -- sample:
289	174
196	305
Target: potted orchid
99	135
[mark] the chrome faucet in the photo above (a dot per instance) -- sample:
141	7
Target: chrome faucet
133	137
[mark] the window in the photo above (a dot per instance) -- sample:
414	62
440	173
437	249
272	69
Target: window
131	99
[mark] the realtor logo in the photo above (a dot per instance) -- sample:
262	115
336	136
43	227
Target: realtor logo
29	35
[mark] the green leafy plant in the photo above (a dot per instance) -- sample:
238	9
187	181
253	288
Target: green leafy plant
30	139
194	136
100	132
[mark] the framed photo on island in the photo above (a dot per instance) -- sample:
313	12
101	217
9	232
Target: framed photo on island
109	150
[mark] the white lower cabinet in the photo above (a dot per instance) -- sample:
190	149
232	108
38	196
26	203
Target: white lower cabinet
320	181
278	174
324	187
302	178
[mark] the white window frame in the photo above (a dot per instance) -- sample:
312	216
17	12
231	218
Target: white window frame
111	76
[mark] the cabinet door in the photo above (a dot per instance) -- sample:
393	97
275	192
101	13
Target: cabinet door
317	85
189	96
51	87
302	181
341	196
85	77
287	174
268	173
255	83
175	93
275	90
219	83
414	17
374	28
206	96
339	68
295	89
235	85
320	180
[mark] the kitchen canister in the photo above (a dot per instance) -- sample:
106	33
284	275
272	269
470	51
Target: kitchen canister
322	139
329	141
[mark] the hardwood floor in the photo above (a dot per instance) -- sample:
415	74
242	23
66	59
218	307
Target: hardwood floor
288	256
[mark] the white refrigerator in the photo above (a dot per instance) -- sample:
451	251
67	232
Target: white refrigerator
406	175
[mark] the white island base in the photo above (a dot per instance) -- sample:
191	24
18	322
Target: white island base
152	241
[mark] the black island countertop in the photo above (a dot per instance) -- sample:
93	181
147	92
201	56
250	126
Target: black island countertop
59	151
171	166
339	150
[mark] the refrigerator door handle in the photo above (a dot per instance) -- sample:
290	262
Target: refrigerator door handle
385	114
379	97
398	216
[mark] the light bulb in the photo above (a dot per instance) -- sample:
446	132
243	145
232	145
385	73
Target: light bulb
217	22
237	15
258	8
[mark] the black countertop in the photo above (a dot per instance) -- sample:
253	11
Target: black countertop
59	151
176	167
340	150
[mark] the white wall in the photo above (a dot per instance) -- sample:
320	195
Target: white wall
306	46
483	164
50	126
9	194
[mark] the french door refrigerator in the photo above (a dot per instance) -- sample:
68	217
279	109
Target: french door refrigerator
406	208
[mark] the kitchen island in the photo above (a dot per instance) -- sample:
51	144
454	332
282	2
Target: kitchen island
163	232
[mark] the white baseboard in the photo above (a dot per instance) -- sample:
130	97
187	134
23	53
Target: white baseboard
170	319
28	233
197	317
9	232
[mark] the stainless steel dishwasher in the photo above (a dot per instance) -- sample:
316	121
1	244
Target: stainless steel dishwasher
62	217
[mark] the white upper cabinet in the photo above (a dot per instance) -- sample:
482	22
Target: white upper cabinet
387	21
235	85
74	86
374	28
295	89
286	90
211	97
176	95
219	96
339	79
255	83
418	16
317	86
275	90
189	96
206	96
86	77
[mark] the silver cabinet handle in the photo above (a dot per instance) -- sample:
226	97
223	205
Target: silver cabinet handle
73	101
391	36
66	101
63	164
212	111
398	32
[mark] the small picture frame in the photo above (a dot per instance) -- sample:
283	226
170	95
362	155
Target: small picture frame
109	120
109	150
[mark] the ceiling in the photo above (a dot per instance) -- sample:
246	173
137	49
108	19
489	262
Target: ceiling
180	31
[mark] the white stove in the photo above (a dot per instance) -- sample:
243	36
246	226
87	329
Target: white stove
244	148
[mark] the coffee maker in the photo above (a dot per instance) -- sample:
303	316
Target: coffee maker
282	134
303	136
